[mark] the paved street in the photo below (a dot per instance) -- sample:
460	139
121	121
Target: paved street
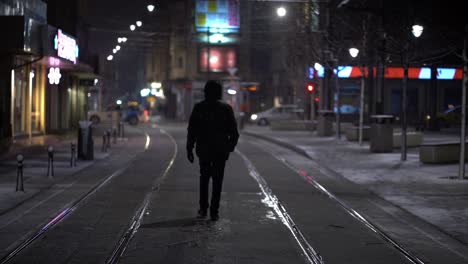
139	204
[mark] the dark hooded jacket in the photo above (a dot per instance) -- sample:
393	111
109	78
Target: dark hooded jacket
212	129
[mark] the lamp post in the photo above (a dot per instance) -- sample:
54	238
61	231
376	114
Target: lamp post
417	31
461	170
354	52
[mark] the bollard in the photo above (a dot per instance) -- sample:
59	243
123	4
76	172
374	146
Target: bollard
121	130
104	143
73	155
108	134
114	134
19	173
50	165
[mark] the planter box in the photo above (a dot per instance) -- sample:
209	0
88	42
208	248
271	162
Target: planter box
413	139
291	125
352	133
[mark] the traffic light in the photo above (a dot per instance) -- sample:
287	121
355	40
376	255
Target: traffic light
310	87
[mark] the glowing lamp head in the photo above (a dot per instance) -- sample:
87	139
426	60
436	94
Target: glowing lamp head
150	8
281	11
310	87
353	52
132	27
417	30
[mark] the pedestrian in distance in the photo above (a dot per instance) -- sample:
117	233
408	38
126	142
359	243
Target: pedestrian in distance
212	130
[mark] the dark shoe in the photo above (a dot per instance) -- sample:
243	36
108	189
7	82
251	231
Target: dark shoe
201	213
214	217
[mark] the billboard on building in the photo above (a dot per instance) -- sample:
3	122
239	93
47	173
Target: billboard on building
220	59
218	16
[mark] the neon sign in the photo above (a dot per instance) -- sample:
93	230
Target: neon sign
54	75
66	47
423	73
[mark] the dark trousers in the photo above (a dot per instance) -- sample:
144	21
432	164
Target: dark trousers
213	169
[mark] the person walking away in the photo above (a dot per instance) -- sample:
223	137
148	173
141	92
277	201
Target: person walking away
212	130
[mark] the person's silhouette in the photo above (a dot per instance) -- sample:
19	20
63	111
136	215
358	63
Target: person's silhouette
213	130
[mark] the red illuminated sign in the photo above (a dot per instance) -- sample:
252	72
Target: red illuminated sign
219	60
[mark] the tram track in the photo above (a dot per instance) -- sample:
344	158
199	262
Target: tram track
411	257
60	217
135	223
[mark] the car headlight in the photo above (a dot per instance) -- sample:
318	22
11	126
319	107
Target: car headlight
253	117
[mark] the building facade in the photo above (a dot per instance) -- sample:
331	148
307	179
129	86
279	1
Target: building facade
42	79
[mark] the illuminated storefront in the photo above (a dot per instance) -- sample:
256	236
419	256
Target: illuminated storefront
65	91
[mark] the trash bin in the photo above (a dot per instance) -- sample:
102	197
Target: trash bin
85	141
325	123
381	134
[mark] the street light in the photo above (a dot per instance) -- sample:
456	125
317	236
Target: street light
110	57
132	27
417	30
150	8
139	23
114	51
156	85
353	52
117	47
145	92
281	11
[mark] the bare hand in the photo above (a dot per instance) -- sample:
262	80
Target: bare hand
190	156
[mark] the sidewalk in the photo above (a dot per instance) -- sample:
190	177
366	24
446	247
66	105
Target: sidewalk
35	166
427	191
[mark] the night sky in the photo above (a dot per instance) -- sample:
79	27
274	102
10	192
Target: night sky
109	19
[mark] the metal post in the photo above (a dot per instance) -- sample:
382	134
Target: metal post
114	134
312	106
361	105
50	165
461	170
403	106
104	143
19	173
338	105
108	134
73	155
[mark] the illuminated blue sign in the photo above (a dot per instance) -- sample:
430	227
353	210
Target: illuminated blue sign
217	16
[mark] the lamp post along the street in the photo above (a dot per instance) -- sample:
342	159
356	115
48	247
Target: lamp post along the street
403	105
361	104
417	31
354	52
338	103
461	170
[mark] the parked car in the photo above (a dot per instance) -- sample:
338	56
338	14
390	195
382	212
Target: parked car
110	115
135	114
283	112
